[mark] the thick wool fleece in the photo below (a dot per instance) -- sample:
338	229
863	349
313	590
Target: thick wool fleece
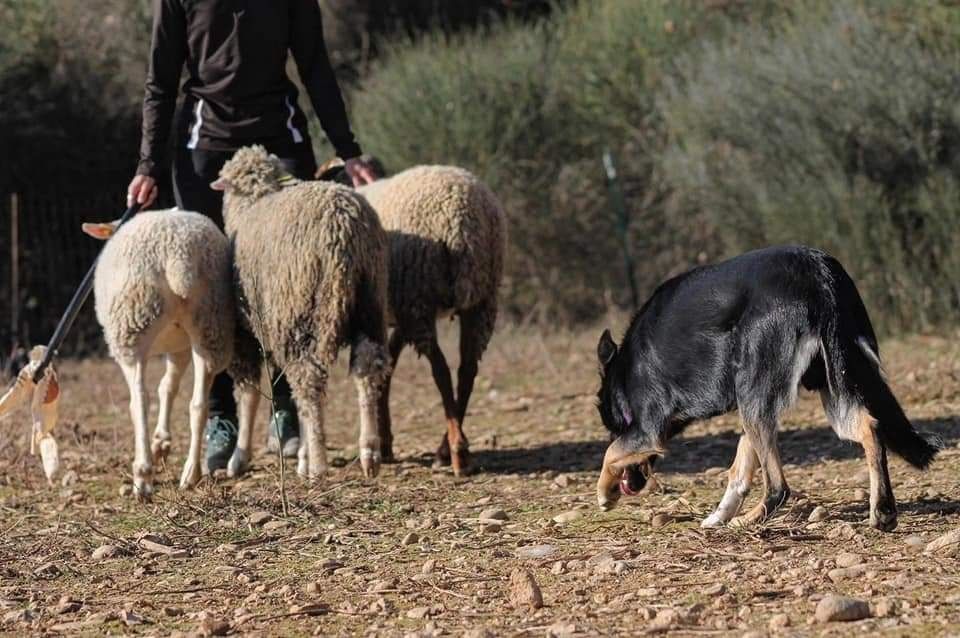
168	265
447	234
309	263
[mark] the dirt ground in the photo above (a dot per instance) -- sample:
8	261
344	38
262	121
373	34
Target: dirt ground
407	553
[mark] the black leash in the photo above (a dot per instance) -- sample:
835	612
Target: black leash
73	309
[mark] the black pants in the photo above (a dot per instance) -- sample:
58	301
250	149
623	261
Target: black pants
193	172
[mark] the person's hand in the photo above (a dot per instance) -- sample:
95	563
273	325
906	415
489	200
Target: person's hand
142	190
360	171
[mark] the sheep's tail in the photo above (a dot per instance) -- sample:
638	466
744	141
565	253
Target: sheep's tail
855	376
478	267
182	276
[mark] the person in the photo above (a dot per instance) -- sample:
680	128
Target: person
236	93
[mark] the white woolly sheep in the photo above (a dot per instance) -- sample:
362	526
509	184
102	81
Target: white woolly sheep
447	235
310	278
162	286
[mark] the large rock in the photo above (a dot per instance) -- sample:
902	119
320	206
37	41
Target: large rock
841	608
524	590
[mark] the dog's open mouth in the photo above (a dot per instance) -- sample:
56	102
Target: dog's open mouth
633	480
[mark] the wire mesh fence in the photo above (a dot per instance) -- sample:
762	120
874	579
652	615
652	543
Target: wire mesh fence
44	257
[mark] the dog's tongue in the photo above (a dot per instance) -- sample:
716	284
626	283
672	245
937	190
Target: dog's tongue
625	486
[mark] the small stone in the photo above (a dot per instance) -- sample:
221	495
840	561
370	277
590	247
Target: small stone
818	514
848	559
259	518
561	629
524	591
841	608
105	552
273	526
69	478
494	514
312	588
665	619
67	605
885	609
660	520
429	566
562	481
410	539
860	494
131	618
567	517
172	612
126	490
914	543
845	573
717	589
47	570
418	613
779	621
212	626
535	551
946	545
843	531
558	568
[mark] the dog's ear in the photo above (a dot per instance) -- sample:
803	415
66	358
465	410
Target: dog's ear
606	349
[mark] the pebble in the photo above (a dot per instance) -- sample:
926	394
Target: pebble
665	619
69	478
567	517
860	494
843	573
561	629
660	520
410	539
104	552
47	570
841	608
779	621
524	591
259	518
885	608
17	616
536	551
418	613
212	626
914	543
946	545
716	589
494	514
126	490
562	481
848	559
429	566
273	526
818	514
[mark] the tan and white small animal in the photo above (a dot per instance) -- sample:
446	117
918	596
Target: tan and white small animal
44	398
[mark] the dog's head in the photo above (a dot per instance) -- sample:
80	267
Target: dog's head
630	458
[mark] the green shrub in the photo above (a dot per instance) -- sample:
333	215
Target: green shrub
838	130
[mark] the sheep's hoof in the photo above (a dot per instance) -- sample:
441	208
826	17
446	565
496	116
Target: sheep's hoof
239	462
142	491
370	461
160	448
191	475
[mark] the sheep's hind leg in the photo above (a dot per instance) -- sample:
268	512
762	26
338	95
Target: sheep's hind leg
368	367
384	422
454	444
308	383
169	386
203	373
133	372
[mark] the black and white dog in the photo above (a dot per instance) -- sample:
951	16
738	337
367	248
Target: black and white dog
746	334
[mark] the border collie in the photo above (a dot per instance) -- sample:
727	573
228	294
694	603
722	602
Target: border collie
745	334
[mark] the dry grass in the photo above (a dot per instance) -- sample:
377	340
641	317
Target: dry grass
537	446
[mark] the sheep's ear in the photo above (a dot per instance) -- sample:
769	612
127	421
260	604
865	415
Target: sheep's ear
99	231
606	349
220	184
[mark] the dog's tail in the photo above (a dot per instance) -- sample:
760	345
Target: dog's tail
855	375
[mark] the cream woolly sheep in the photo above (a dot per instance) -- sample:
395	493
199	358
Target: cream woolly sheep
447	234
310	277
162	286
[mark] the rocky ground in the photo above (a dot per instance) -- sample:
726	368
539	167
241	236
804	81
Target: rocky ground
518	548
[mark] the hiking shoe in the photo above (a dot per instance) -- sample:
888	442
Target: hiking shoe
284	430
221	440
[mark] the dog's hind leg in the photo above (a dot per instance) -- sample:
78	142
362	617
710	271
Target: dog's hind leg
738	485
853	422
763	439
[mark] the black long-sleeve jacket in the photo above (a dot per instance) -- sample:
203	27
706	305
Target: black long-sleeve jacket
236	89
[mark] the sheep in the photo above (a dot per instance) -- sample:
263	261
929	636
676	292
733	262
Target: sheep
44	397
310	278
447	235
162	286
